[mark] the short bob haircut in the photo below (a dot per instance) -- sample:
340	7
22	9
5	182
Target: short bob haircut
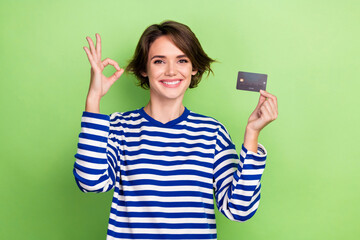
183	38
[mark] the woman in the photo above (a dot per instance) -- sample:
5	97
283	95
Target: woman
164	161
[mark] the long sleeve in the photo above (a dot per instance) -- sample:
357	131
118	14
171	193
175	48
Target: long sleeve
237	181
97	154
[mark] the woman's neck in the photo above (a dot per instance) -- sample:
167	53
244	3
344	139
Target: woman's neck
164	111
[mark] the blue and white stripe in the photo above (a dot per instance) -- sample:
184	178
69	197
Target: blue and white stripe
164	176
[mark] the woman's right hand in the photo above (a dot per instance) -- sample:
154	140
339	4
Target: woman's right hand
100	84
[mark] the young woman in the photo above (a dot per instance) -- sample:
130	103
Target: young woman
165	162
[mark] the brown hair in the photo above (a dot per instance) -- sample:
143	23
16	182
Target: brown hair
183	38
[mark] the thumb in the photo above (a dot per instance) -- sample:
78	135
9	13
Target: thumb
262	99
116	75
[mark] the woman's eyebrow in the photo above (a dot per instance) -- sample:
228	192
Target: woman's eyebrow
162	56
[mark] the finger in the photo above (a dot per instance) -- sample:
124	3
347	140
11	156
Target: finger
91	60
265	113
273	106
269	95
108	61
269	110
273	112
116	76
98	45
92	48
261	101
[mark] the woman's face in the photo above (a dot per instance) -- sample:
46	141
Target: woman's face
169	70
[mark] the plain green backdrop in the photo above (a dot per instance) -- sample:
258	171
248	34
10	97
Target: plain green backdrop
309	49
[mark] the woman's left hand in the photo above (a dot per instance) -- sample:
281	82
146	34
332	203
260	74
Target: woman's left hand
265	112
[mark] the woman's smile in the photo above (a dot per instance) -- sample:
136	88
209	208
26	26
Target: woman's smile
171	83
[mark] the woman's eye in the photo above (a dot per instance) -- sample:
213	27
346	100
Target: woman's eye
183	61
158	61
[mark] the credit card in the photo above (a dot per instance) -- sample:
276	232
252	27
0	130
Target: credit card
251	81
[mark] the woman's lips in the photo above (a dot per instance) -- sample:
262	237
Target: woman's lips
173	83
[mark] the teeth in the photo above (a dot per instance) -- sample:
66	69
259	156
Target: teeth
172	82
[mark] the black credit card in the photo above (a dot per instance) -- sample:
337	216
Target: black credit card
251	81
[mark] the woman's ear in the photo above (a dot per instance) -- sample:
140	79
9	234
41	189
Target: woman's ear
194	71
143	74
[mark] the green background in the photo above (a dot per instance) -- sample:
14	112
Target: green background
309	49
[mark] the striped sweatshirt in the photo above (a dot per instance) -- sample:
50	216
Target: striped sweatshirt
165	176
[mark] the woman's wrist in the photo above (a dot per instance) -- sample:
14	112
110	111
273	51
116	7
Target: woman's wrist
92	104
251	139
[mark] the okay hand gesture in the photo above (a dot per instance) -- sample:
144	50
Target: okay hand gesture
100	84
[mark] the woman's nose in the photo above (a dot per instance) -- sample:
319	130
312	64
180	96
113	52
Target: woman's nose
170	70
